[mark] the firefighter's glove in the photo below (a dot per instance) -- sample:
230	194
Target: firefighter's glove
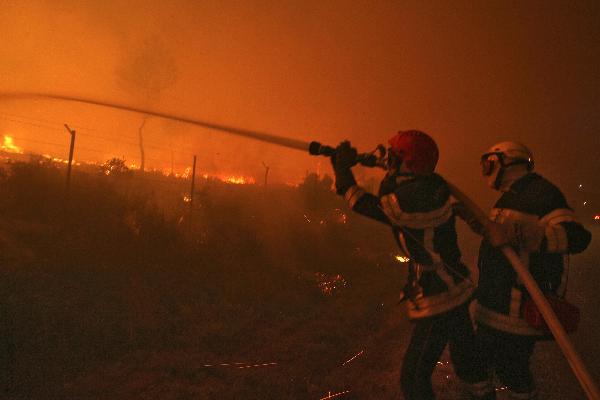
522	236
344	157
342	160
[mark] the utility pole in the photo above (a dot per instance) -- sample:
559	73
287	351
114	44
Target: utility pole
69	166
192	191
141	138
171	161
266	172
193	182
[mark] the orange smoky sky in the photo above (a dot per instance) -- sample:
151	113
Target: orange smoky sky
469	73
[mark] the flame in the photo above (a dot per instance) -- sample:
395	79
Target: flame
187	173
597	217
59	160
402	259
237	180
9	146
233	179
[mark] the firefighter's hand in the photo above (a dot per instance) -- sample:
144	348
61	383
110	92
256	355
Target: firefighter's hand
344	157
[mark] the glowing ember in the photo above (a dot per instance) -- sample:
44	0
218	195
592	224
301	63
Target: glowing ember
402	259
334	395
340	216
257	365
329	284
9	146
354	358
240	365
597	217
187	199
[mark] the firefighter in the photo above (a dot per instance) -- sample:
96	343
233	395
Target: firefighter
415	202
533	217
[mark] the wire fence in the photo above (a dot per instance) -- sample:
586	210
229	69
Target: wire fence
129	143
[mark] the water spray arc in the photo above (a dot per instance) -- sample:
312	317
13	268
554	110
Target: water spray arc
313	148
261	136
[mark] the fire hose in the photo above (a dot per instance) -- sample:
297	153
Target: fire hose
579	369
369	160
560	335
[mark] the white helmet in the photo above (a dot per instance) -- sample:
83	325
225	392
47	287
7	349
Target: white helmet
508	153
500	156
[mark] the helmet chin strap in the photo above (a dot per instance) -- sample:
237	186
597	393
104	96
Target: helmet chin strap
395	169
507	175
399	169
499	175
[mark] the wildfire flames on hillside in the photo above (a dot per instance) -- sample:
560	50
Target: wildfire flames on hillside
116	165
9	146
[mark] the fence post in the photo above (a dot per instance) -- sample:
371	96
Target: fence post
192	191
266	172
69	166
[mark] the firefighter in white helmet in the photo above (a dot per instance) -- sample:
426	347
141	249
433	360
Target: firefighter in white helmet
505	162
534	218
415	202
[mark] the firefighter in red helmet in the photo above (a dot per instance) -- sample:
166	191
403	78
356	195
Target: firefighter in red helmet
416	150
415	202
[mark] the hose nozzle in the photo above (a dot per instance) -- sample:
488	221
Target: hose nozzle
366	159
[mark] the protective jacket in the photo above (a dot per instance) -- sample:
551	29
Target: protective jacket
532	204
419	211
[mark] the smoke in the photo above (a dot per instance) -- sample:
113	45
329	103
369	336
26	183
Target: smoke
147	70
468	75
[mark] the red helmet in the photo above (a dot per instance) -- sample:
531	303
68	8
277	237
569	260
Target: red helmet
416	149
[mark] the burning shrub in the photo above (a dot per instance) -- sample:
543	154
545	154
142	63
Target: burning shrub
115	167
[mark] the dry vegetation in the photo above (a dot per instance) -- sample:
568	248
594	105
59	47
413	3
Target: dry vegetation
121	292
